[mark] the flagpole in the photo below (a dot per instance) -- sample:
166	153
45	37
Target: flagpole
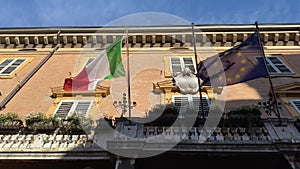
196	59
269	77
128	73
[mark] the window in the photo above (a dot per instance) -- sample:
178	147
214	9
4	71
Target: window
83	63
89	60
9	65
276	66
67	107
296	104
182	101
179	63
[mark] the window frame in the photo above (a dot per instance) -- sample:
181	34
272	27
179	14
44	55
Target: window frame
74	107
10	65
274	66
182	64
294	104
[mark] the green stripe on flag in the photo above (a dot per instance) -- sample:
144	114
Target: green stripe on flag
114	55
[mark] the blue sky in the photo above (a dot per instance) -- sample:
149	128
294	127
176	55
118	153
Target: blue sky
49	13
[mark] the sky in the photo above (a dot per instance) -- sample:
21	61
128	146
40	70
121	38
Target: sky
55	13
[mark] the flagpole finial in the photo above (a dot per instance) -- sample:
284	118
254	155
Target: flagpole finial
256	24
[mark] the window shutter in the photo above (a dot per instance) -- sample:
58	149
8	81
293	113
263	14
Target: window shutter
197	104
296	104
180	102
68	107
64	109
83	107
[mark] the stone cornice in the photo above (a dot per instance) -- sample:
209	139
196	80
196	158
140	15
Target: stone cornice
148	36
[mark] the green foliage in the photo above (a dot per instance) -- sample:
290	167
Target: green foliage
35	117
9	117
39	118
249	116
77	123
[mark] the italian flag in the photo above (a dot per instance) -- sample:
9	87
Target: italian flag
108	64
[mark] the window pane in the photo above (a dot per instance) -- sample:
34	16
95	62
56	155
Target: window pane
5	63
283	68
175	60
271	69
18	62
274	60
188	62
9	70
176	66
176	69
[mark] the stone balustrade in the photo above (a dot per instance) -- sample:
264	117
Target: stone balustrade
44	141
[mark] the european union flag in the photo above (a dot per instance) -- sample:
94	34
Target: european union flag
239	64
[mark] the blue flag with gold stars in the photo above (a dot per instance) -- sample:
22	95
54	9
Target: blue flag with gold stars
239	64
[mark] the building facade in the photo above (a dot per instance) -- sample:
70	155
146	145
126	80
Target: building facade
34	63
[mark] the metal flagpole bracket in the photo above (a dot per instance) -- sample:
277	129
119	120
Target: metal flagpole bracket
272	105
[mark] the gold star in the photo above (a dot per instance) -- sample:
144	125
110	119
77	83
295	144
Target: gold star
237	76
242	69
229	79
215	64
220	78
239	54
243	61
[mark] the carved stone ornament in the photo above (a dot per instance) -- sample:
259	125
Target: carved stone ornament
186	81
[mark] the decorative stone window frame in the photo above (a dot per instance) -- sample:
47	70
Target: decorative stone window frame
18	68
168	63
59	94
287	92
74	107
